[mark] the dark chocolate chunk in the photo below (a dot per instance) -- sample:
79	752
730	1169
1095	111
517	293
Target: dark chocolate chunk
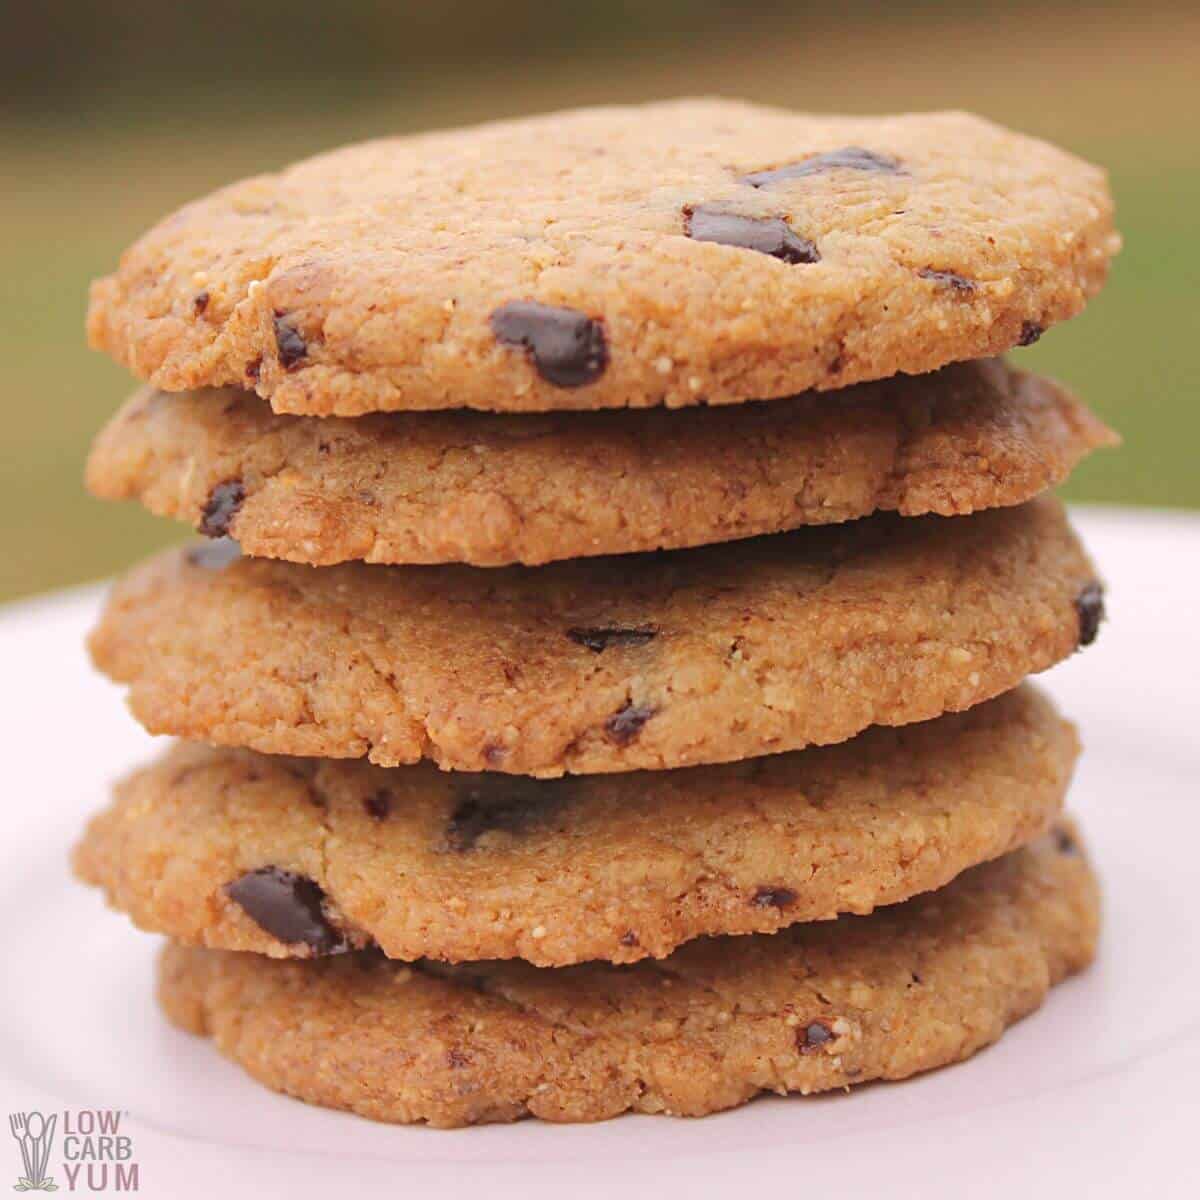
626	723
1030	332
1089	604
378	805
199	303
291	346
949	280
505	805
288	906
598	639
1064	842
773	897
767	235
566	346
214	555
849	158
813	1036
253	367
223	504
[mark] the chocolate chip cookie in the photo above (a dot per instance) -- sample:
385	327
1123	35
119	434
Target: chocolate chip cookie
495	489
605	664
297	857
680	253
813	1007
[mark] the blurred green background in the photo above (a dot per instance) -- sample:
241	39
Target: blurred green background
112	114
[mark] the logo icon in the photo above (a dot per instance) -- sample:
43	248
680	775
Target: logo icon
35	1136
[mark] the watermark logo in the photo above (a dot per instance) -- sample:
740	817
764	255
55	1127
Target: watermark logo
95	1156
34	1134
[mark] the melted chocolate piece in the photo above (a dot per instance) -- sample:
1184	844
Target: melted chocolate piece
378	805
626	723
599	639
291	346
773	897
767	235
288	906
507	805
566	346
848	158
214	555
223	504
948	279
1089	604
1030	332
200	303
813	1036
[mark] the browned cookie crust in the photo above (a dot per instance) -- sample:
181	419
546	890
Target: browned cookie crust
814	1007
603	664
427	864
495	489
697	251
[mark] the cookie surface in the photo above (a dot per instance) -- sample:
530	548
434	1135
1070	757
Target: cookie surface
604	664
814	1007
490	490
697	251
430	864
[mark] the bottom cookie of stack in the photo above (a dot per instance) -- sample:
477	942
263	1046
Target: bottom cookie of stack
812	1007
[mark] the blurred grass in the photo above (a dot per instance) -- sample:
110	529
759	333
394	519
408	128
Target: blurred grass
1118	87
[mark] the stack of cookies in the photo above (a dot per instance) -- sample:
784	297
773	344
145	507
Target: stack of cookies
623	541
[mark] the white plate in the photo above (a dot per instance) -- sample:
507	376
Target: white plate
1096	1095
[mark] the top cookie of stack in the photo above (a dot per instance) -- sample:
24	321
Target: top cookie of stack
694	253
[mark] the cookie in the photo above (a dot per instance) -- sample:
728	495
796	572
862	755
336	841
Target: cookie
495	489
690	252
429	864
811	1008
605	664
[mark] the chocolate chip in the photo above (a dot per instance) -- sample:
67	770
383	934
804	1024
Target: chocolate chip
214	555
253	367
1030	332
773	897
567	347
849	158
199	303
503	805
288	906
767	235
1089	604
629	938
291	346
813	1036
223	504
378	805
598	639
949	280
1064	843
626	723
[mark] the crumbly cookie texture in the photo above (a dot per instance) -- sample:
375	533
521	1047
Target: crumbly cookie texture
690	252
496	489
814	1007
462	867
604	664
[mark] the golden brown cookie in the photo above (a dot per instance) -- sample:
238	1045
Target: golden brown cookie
814	1007
226	848
695	251
605	664
495	489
